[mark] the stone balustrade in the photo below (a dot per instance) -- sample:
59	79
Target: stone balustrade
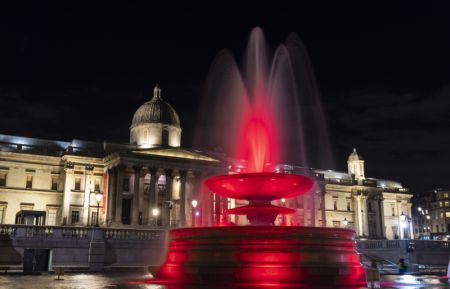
130	234
88	247
416	252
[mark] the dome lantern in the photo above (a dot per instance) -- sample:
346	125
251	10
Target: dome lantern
355	164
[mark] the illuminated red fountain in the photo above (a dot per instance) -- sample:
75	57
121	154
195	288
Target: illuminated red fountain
261	254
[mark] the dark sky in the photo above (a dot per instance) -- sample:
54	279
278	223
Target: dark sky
80	70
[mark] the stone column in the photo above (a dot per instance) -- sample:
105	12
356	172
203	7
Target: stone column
135	204
381	216
400	225
365	217
322	203
68	185
183	176
110	196
152	197
313	208
410	222
168	195
119	188
87	194
358	215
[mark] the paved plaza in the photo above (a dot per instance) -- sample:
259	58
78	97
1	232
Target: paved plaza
136	281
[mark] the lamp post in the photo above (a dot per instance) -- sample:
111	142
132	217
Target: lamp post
283	217
155	213
194	204
98	198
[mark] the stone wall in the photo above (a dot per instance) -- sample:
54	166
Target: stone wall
93	248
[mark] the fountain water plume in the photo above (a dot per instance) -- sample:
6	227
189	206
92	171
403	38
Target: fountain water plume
254	125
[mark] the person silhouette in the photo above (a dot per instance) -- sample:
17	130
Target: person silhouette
402	266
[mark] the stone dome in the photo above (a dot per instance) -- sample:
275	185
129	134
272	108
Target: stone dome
354	156
156	110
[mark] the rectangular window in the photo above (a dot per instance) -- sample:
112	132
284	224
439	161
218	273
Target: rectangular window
442	214
2	213
445	195
393	210
77	184
335	205
51	218
336	224
442	228
447	204
369	206
126	184
54	183
440	204
97	185
29	183
348	206
94	218
447	214
75	216
3	179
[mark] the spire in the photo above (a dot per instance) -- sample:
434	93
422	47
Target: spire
156	91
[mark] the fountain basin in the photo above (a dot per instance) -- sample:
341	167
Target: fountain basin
262	256
260	186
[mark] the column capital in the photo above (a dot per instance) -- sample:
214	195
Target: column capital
68	167
89	168
183	173
168	172
153	171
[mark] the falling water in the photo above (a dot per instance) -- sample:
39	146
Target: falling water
267	112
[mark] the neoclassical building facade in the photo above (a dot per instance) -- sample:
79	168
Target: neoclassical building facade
148	182
151	182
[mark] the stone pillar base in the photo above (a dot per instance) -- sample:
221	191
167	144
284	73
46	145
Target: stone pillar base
96	251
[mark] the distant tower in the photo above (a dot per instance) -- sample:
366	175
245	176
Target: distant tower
356	165
155	124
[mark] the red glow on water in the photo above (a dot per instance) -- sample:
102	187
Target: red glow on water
258	141
264	256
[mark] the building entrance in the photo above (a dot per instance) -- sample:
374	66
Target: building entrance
126	211
36	260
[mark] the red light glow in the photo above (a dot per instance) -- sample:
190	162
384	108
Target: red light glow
262	256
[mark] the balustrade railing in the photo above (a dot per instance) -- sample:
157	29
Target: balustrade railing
396	244
60	232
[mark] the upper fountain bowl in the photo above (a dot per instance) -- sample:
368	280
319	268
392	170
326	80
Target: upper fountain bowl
264	186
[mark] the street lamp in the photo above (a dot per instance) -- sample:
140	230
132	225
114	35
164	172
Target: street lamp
194	204
283	217
155	213
98	198
345	222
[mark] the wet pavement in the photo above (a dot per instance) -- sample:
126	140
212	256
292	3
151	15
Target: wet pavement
137	281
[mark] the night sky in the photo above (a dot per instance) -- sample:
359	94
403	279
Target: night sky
80	70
